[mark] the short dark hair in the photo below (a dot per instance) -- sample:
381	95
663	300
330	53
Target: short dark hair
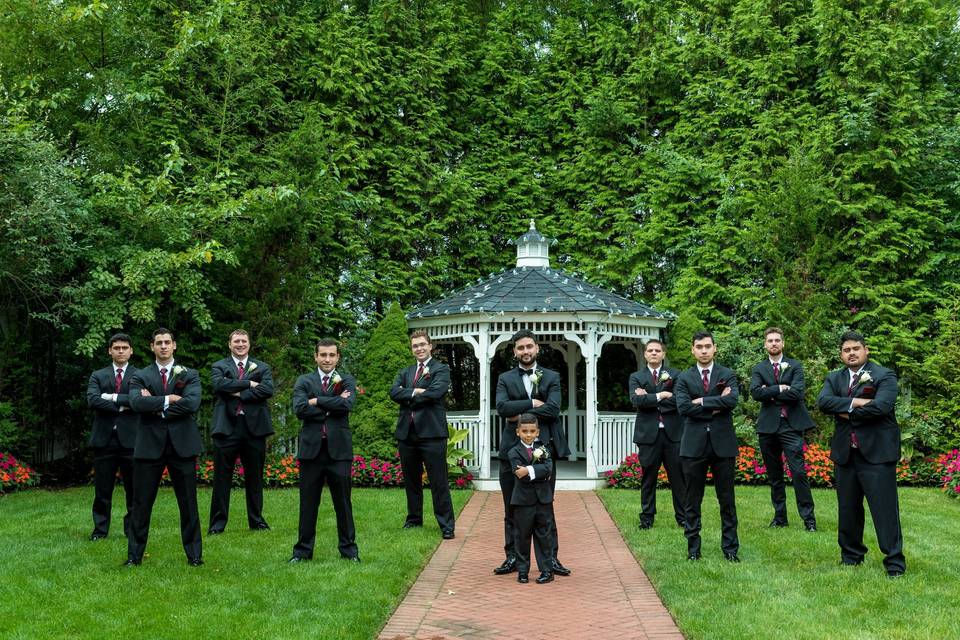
420	333
159	331
528	418
657	340
524	333
852	336
327	342
700	335
119	337
770	330
237	332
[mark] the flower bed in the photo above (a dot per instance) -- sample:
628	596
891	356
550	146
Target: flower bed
15	474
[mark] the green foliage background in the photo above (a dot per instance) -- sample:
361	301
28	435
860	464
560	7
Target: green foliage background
294	167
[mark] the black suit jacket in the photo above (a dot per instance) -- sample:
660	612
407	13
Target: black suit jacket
698	418
178	422
875	424
765	390
331	410
429	415
256	405
106	413
649	410
512	400
527	492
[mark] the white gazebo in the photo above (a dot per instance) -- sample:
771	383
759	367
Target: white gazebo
567	313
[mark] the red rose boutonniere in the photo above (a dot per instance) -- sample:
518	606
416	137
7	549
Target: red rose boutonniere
179	383
337	384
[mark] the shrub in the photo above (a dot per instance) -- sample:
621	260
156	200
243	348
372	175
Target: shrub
376	472
15	475
950	473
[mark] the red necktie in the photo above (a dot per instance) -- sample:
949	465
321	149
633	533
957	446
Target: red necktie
853	436
324	384
706	380
776	378
163	378
119	379
529	454
239	377
655	376
853	383
418	374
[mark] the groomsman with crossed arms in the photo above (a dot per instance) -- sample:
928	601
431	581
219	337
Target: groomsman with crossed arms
422	433
242	388
113	434
777	384
533	389
167	397
862	398
323	400
706	396
657	432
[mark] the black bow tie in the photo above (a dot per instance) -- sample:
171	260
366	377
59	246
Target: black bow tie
526	372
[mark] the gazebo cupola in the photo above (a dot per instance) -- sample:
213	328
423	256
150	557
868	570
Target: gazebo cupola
533	248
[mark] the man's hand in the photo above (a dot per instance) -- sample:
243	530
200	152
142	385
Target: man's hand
726	391
537	403
253	384
664	395
312	402
418	391
520	471
697	401
784	388
640	391
345	394
172	398
845	416
236	393
144	393
861	402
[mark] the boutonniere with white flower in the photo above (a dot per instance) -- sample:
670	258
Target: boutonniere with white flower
336	379
664	376
535	377
864	378
784	366
426	372
177	370
540	454
253	365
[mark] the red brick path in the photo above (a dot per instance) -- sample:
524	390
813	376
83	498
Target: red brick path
458	596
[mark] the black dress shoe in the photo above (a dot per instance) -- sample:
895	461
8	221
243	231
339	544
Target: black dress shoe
523	578
296	559
545	577
97	536
894	573
214	532
132	563
509	566
811	527
731	557
262	526
412	525
558	569
693	556
778	524
351	558
195	562
448	535
646	524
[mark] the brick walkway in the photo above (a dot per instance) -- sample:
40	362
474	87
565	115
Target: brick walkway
458	596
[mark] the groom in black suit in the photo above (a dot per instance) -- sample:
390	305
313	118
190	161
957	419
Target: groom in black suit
777	384
706	396
865	447
113	433
533	389
323	400
167	397
657	432
242	388
422	433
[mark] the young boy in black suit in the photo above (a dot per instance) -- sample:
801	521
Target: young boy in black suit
531	500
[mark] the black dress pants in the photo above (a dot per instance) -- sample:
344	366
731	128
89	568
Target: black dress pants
666	453
788	443
695	470
314	473
415	454
252	452
106	462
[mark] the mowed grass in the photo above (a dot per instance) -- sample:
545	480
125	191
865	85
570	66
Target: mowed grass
789	584
58	584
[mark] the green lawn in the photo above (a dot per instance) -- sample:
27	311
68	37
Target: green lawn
57	584
789	583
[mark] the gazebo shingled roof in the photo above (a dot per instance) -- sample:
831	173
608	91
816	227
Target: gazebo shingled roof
535	289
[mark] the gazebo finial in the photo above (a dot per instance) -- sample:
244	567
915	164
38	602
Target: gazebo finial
533	248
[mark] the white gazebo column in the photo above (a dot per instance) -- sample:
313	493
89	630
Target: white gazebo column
571	356
481	345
